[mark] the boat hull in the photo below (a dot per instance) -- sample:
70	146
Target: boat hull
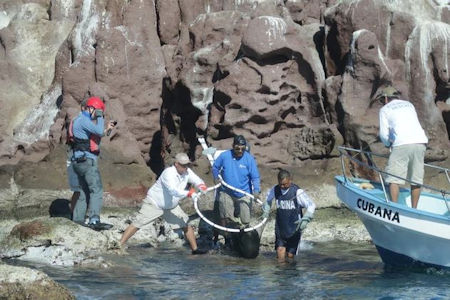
402	235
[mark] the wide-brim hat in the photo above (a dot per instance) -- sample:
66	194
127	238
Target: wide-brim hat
387	91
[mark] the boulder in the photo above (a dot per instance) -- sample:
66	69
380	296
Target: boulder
25	283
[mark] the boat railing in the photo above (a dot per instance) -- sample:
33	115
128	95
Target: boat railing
345	152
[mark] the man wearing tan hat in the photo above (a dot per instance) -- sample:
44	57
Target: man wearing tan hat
163	198
400	130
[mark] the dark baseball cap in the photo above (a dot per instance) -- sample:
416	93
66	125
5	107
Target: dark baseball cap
239	140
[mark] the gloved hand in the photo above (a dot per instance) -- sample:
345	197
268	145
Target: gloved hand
98	113
191	192
202	187
266	210
303	222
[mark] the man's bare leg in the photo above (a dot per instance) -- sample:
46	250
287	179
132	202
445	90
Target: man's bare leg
415	195
190	237
129	232
394	190
281	254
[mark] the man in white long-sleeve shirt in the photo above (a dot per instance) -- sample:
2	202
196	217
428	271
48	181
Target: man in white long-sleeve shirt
163	198
290	220
400	130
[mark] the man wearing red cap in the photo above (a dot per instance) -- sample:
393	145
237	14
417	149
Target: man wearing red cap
87	130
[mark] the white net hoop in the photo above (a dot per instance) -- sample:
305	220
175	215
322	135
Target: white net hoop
196	196
209	154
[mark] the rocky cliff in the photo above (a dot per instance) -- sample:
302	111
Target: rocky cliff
296	78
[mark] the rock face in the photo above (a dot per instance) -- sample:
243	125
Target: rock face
296	78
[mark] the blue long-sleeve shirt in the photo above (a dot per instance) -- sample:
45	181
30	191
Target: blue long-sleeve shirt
83	128
241	173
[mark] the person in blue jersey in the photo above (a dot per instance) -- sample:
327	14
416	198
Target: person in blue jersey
290	221
238	168
87	130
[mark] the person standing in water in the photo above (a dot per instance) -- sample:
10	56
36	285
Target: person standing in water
238	168
163	201
290	221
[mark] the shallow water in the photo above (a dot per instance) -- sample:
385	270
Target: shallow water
336	270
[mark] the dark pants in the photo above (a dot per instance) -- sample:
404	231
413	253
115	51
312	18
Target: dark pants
91	188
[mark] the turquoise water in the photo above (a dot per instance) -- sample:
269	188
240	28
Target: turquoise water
334	270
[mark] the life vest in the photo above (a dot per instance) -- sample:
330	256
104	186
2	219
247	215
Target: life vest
90	145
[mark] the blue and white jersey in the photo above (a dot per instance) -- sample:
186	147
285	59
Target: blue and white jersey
289	204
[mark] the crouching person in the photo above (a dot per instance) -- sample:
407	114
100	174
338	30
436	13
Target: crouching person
290	221
163	201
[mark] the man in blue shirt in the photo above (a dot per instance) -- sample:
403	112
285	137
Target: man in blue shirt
238	168
87	131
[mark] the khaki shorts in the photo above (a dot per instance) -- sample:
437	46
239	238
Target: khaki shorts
406	161
233	208
150	212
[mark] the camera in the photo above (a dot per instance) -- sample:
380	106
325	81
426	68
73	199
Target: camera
110	129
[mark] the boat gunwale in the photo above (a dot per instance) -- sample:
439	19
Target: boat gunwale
361	163
357	190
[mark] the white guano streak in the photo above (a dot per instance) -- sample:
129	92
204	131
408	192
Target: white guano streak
36	125
66	6
426	36
4	19
276	28
85	31
124	32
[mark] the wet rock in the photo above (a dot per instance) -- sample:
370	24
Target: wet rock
56	241
24	283
59	241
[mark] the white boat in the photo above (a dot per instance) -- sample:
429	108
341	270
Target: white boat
402	235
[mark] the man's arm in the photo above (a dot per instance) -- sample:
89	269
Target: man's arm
270	196
169	181
217	166
268	204
254	175
384	129
95	127
196	180
305	201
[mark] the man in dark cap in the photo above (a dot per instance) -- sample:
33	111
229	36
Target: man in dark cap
238	168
